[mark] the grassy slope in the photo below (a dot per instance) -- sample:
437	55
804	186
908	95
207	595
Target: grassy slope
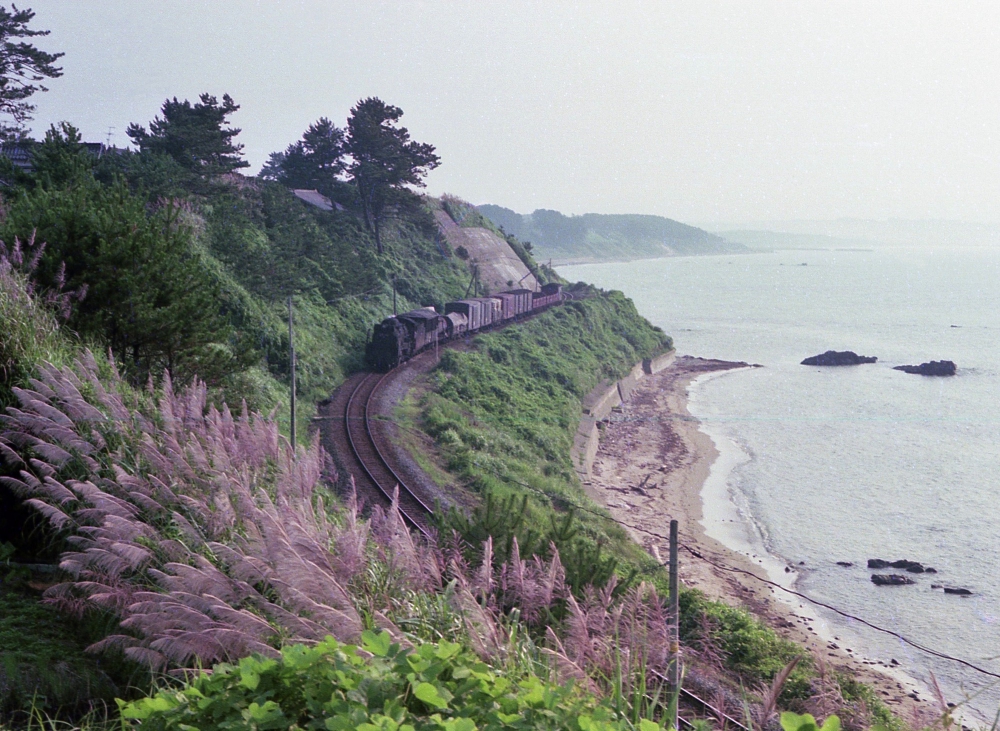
502	414
505	412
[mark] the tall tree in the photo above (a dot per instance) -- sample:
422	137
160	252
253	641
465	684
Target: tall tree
197	136
22	67
315	161
384	160
150	297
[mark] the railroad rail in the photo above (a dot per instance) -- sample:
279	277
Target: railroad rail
364	447
353	408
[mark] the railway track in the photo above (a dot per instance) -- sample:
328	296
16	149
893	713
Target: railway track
353	432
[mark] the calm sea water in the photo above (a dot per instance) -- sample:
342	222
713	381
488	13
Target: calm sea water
846	464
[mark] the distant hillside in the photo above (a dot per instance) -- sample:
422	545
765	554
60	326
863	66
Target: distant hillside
860	232
770	240
596	237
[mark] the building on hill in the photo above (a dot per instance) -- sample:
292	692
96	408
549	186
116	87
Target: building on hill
20	153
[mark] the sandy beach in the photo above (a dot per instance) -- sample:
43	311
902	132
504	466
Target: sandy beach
654	464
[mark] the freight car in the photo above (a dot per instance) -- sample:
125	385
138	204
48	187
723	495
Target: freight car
397	339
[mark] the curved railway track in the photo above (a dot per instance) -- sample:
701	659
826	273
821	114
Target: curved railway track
355	432
359	435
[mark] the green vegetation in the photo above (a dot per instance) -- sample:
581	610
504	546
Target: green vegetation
597	237
333	686
505	411
188	535
22	67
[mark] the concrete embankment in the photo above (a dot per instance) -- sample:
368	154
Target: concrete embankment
597	406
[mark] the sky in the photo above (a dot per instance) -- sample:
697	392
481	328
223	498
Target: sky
700	111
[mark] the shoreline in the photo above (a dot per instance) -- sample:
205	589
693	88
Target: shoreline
656	460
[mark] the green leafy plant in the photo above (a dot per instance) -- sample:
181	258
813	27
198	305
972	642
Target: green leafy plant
380	686
795	722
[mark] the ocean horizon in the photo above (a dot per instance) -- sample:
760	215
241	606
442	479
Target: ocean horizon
844	464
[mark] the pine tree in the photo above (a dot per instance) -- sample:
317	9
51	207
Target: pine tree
194	135
314	162
384	161
22	67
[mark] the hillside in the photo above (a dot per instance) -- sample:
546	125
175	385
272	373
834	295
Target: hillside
154	517
601	237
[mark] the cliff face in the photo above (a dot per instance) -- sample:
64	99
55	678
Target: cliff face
596	237
499	267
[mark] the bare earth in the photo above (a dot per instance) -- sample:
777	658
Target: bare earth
650	468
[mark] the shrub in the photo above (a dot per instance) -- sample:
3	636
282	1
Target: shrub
380	687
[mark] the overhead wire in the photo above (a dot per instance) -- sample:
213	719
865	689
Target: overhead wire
732	569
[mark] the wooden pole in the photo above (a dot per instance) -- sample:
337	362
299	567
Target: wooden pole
673	673
291	360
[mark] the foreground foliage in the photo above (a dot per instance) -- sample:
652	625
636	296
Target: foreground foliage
382	687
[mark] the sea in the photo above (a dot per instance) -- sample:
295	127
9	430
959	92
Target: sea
843	464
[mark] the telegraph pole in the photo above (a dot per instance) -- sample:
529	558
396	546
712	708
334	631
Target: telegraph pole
291	360
673	672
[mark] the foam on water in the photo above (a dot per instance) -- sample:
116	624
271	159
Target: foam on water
820	465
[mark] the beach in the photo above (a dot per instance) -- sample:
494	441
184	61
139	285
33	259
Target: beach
655	464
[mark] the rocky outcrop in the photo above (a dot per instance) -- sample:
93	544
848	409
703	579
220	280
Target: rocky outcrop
913	567
932	368
891	580
838	358
959	592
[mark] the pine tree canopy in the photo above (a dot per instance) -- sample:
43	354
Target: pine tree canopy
195	135
22	67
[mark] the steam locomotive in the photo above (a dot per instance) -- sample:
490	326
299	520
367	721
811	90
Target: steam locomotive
397	339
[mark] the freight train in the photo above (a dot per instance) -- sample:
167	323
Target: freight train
398	338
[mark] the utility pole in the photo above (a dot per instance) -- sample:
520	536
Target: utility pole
291	360
673	618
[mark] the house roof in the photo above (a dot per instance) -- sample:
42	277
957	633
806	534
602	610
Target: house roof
315	198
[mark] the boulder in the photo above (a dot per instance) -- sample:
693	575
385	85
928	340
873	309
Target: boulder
959	592
932	368
838	358
891	580
878	563
913	567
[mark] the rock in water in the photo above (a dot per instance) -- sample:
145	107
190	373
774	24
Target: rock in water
838	358
914	567
845	564
891	580
878	563
960	592
933	368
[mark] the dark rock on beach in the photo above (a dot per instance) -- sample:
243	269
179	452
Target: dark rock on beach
959	592
933	368
878	563
845	564
838	358
891	580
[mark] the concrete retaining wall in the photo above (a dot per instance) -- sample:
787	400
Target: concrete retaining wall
657	364
627	385
599	402
597	406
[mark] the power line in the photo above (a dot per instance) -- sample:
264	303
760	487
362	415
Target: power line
733	569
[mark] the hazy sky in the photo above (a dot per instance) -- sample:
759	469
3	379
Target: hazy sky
700	111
